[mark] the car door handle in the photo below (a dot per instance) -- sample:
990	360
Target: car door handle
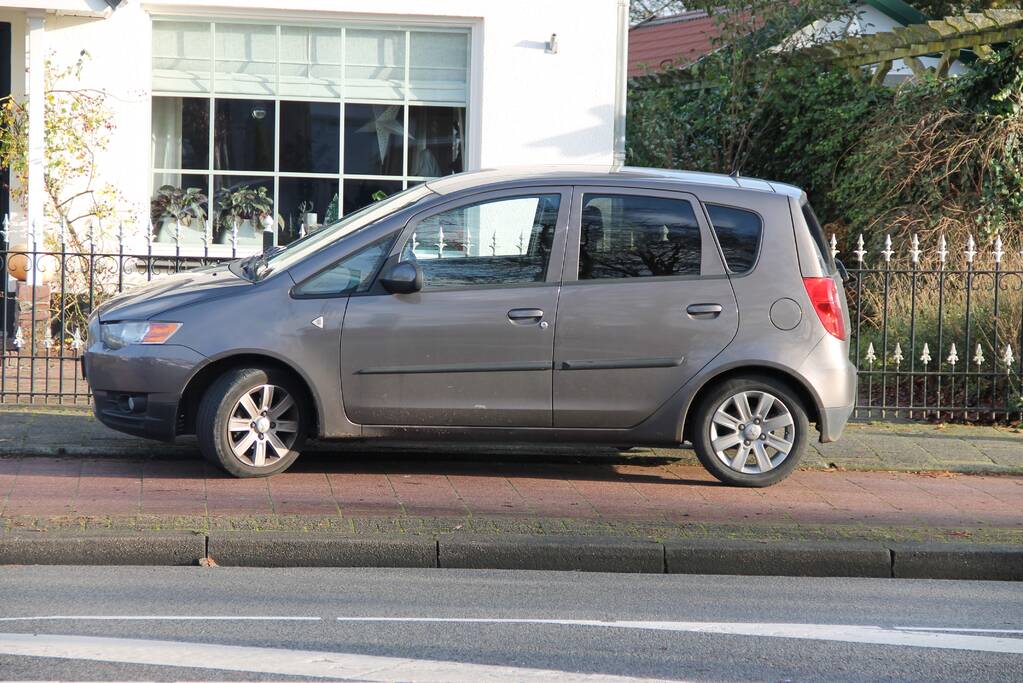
704	310
525	315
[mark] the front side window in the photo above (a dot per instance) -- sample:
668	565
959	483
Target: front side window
297	125
739	232
497	242
630	236
352	274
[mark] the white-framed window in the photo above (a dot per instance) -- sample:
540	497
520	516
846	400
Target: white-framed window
300	123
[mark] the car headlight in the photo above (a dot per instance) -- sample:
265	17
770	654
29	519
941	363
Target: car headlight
118	335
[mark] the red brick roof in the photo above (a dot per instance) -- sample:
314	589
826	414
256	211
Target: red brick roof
656	44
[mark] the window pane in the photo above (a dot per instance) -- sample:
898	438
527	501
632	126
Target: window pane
436	141
360	193
305	204
246	59
738	234
374	139
179	206
181	56
310	137
181	132
352	274
240	202
243	135
632	236
439	64
374	64
502	242
310	62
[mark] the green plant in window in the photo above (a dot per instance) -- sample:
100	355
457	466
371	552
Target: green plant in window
333	211
181	206
379	196
243	203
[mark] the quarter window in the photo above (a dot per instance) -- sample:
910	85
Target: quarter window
627	236
739	233
499	242
354	273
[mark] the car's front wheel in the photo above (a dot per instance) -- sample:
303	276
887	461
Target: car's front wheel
252	422
750	431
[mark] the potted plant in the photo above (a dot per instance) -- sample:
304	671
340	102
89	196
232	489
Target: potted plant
173	210
241	207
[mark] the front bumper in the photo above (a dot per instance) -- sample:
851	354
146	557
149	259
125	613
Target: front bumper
154	377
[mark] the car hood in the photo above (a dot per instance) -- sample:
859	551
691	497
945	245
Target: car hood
170	292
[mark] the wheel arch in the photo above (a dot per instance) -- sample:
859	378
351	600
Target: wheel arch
798	385
188	404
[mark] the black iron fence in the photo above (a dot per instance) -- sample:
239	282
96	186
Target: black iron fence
937	331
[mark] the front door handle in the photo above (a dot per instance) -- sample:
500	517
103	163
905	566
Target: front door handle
525	315
704	310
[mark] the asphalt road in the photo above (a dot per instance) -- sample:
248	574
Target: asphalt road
461	625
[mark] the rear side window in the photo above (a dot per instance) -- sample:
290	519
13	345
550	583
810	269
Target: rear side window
739	233
817	232
628	236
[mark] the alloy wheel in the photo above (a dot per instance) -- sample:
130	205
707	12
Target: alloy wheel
752	432
263	426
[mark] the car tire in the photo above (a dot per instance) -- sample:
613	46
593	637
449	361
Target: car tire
750	431
249	430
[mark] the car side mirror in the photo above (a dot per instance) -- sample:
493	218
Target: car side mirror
405	277
842	271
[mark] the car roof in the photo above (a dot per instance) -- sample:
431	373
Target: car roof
611	175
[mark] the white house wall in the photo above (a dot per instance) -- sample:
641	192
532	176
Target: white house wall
526	106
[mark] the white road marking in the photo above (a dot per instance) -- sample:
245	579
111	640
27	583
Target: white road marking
950	629
343	666
874	635
114	617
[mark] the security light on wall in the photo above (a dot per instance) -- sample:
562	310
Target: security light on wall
552	45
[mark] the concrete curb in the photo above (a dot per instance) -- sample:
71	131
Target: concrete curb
562	553
943	561
236	549
785	558
551	552
163	549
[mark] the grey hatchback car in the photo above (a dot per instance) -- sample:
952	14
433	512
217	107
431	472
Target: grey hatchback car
622	306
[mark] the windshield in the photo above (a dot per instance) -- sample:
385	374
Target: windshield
350	224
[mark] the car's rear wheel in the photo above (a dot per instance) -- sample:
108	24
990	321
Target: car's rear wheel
251	422
750	431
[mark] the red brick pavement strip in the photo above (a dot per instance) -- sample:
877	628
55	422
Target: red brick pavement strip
458	489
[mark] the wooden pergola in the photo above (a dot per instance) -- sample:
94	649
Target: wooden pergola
952	39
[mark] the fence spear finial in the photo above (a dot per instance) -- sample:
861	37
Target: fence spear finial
887	253
860	251
953	355
925	357
897	355
942	249
999	252
914	251
4	227
1008	358
834	245
871	356
19	338
978	357
971	249
76	340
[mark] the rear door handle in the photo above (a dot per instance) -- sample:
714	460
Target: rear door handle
704	310
523	315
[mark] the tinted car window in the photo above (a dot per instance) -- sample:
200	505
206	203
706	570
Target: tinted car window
739	233
353	273
626	236
497	242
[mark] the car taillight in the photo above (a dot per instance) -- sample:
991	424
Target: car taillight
824	296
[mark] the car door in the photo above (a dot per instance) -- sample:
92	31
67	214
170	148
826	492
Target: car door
645	304
474	347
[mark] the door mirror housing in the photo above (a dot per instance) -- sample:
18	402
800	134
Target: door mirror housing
405	277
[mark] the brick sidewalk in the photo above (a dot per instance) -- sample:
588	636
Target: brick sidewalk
106	478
